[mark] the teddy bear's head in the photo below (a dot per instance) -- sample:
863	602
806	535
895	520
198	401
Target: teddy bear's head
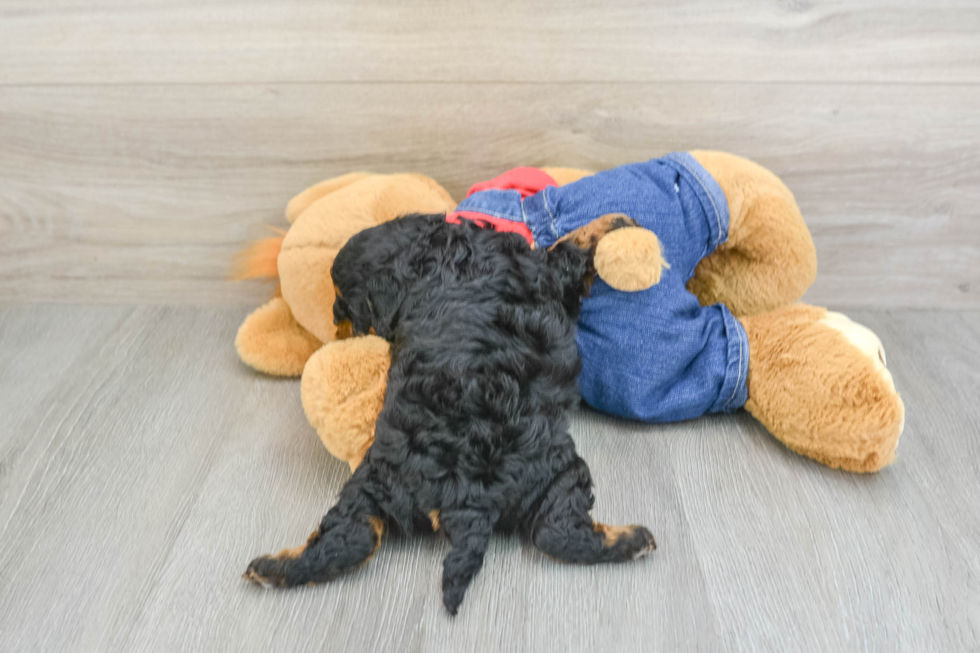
281	335
321	227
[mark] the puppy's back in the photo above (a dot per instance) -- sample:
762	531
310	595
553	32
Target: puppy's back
484	368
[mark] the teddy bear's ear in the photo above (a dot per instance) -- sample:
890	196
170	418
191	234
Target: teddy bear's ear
302	201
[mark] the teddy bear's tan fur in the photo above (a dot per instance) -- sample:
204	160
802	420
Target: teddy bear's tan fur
816	380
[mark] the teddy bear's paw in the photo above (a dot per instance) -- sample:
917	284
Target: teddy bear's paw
867	342
818	382
271	341
864	339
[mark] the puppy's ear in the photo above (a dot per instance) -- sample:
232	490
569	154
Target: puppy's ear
574	269
384	298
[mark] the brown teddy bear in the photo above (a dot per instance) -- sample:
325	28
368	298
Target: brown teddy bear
815	379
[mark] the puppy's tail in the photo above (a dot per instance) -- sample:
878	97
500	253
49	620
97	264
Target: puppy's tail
469	533
260	260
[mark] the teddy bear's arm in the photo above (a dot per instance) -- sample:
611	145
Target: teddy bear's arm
769	259
343	389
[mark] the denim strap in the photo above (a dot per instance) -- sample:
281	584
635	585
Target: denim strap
710	194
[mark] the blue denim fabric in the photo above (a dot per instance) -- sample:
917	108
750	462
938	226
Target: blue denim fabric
656	355
498	203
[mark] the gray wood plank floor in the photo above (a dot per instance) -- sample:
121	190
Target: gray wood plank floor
141	466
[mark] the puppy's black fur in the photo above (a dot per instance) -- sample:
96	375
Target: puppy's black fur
473	435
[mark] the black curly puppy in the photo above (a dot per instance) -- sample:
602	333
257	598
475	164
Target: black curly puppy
473	435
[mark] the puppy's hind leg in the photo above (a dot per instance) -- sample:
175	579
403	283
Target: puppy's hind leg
563	529
348	536
469	533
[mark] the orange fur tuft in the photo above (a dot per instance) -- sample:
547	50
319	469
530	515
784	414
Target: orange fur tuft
260	260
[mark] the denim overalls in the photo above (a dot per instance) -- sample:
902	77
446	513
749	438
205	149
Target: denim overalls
655	355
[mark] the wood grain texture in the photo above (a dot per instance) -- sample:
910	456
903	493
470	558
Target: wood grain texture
142	466
153	41
143	193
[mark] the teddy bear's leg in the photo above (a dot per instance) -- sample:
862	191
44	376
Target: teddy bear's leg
343	389
818	382
769	259
271	341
